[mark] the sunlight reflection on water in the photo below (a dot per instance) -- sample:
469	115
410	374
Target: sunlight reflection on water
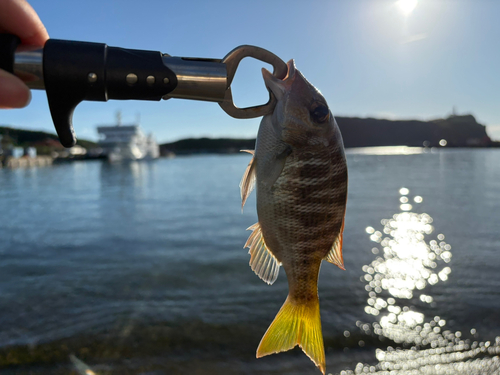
395	282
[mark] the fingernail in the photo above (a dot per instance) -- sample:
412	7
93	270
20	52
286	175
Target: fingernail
28	100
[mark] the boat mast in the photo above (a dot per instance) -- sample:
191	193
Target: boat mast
118	118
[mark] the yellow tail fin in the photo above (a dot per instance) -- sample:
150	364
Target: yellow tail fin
296	324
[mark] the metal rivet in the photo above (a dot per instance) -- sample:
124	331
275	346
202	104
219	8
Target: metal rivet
150	80
92	77
166	81
131	78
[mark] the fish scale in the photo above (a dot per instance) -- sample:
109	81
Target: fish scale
300	174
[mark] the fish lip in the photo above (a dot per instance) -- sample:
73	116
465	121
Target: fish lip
277	86
292	69
273	84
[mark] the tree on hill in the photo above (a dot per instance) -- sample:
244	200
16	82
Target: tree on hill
44	142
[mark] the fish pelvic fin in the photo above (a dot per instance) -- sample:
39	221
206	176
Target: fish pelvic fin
262	261
248	180
296	324
335	254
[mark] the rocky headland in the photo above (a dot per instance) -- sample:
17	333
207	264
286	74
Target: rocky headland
454	131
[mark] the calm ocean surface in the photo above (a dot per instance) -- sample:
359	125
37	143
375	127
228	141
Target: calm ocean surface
139	268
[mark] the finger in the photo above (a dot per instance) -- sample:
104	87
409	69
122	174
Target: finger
13	92
18	17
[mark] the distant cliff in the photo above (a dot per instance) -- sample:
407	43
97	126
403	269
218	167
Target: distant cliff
457	131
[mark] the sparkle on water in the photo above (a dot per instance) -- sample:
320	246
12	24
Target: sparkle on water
395	282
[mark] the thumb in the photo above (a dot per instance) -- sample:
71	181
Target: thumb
13	92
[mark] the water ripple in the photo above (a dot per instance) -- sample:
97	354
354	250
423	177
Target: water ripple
410	261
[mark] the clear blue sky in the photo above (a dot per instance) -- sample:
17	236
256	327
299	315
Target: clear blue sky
366	56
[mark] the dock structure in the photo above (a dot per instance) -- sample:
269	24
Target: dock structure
26	162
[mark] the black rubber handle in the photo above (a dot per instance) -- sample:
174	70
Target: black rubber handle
8	45
76	71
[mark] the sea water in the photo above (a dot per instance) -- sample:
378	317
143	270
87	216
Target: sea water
139	268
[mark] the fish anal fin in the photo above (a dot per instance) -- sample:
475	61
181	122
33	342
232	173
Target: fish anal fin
248	180
335	254
262	261
296	324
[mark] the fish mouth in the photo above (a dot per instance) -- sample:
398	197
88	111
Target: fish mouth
277	86
291	70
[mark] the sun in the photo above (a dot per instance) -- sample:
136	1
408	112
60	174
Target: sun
406	6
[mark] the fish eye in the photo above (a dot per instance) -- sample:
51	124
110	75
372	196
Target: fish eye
320	113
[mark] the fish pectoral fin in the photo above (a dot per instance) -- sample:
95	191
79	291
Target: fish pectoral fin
248	180
335	254
262	261
272	169
296	324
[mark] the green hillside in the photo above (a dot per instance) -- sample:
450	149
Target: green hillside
42	141
207	146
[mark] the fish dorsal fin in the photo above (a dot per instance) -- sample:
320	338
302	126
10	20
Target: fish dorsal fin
335	254
248	180
262	261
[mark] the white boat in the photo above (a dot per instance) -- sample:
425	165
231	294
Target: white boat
127	142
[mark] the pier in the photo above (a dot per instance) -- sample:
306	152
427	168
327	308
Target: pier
26	162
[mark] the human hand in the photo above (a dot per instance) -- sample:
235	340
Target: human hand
18	17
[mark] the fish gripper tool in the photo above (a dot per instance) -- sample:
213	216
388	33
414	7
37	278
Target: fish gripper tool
71	72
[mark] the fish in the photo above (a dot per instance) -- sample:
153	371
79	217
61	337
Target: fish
299	172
